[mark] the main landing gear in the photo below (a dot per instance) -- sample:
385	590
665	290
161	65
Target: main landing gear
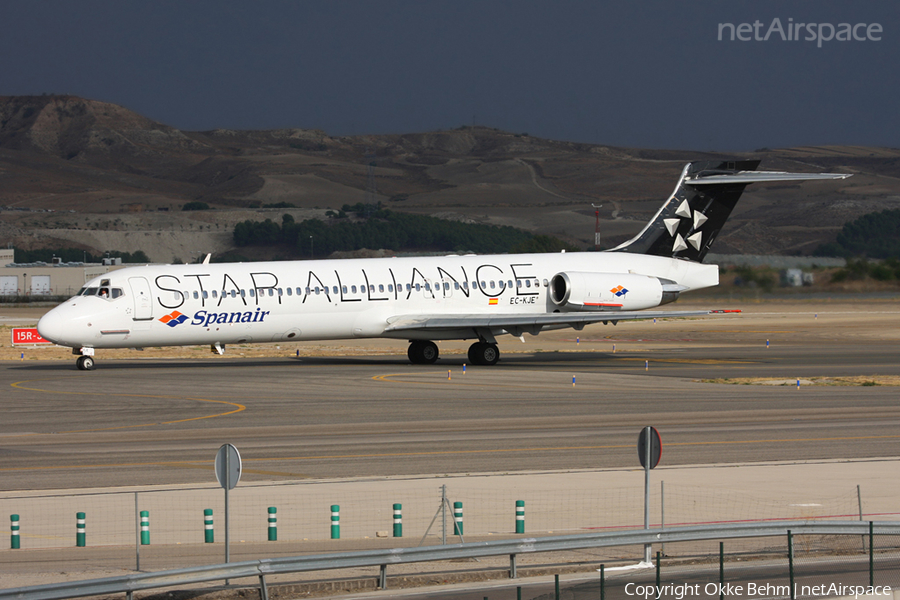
484	353
422	352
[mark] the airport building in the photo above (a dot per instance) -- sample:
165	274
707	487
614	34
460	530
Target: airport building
43	279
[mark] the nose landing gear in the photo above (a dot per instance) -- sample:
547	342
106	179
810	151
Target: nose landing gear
85	363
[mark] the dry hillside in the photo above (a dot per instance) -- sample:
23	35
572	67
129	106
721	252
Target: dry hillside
93	175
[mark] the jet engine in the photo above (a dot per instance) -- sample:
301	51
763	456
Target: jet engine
572	290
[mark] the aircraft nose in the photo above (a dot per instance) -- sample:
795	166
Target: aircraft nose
52	327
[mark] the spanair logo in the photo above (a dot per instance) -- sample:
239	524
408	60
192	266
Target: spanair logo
619	291
174	318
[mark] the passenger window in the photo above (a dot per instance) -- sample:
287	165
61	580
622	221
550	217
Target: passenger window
492	284
465	285
371	289
428	286
335	290
418	287
455	285
483	286
527	283
390	287
300	293
289	292
407	287
380	287
215	294
253	292
196	296
545	283
344	289
205	294
233	293
307	291
317	290
243	294
279	292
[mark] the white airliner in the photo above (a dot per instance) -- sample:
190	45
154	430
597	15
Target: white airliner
417	299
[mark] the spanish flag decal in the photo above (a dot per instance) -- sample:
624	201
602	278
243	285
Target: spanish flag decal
492	301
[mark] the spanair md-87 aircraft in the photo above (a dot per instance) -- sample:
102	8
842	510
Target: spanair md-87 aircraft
418	299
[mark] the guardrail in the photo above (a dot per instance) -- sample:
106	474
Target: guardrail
382	558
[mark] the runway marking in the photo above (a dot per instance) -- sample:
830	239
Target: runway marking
443	379
239	407
696	361
205	464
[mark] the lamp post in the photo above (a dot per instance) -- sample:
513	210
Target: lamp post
311	254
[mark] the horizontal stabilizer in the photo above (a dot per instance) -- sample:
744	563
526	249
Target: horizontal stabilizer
760	176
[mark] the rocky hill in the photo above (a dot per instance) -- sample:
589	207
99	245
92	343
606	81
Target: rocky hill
93	175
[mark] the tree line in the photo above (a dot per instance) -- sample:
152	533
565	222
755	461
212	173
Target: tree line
874	235
377	228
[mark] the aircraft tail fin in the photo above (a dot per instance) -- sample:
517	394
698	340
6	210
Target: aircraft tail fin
707	192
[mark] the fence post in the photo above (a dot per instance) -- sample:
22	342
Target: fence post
145	528
721	570
79	529
14	532
209	534
602	582
791	561
457	518
658	566
871	554
398	520
520	516
335	522
273	524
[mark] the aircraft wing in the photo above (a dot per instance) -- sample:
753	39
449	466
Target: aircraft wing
517	324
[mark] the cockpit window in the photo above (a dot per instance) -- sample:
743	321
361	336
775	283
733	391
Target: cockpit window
117	292
90	291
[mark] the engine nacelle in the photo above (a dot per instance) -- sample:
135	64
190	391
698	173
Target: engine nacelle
574	290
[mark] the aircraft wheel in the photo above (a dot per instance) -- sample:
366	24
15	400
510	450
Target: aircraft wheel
482	353
429	353
414	352
489	354
85	363
473	354
422	352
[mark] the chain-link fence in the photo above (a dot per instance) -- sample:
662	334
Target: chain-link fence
177	531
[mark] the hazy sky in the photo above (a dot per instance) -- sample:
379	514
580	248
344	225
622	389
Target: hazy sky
648	74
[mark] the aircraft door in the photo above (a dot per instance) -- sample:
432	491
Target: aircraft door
143	302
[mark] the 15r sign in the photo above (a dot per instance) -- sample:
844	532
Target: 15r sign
27	336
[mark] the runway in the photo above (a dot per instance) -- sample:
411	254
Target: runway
160	421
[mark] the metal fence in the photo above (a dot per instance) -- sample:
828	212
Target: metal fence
177	535
791	531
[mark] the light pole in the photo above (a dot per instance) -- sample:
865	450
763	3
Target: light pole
311	255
